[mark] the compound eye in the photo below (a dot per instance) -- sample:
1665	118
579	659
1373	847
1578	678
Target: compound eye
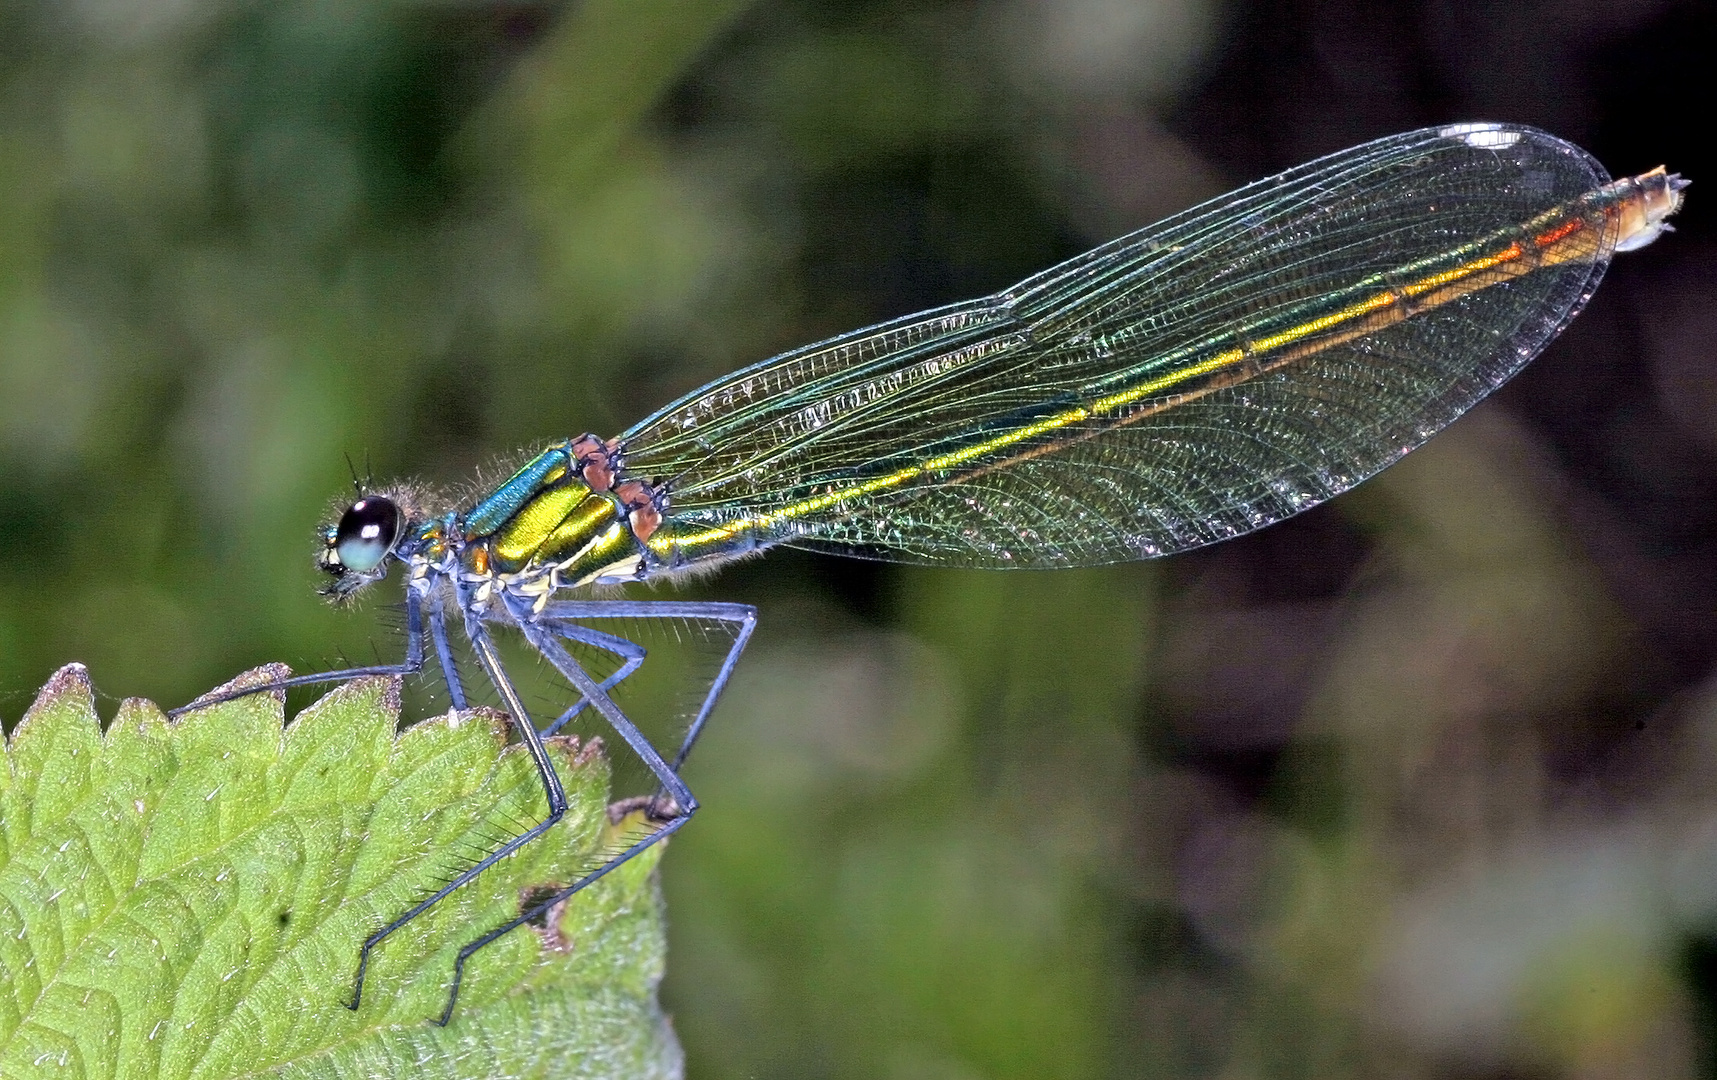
366	533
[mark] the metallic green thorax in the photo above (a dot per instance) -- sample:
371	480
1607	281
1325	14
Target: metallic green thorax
559	511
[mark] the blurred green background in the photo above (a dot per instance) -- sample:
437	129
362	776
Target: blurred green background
1417	785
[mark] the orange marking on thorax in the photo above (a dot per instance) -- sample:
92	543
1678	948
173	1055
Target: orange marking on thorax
640	506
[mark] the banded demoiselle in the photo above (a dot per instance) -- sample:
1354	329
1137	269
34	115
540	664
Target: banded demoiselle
1221	370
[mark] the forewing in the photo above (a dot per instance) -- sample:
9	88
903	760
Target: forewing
972	435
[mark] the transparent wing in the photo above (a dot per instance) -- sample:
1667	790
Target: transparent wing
1173	388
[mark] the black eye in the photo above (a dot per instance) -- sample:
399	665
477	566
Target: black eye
366	533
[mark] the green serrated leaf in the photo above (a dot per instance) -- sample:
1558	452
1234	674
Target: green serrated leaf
186	899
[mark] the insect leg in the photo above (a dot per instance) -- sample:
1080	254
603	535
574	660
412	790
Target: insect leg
411	665
490	662
630	652
544	640
744	615
444	653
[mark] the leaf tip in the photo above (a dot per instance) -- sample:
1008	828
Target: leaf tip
69	686
250	680
499	723
650	810
370	692
137	713
391	699
577	754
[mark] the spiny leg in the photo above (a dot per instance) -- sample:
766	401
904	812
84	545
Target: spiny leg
630	652
444	653
743	614
411	665
490	661
543	639
543	906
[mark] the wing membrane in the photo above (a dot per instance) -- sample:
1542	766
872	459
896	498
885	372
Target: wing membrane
1112	407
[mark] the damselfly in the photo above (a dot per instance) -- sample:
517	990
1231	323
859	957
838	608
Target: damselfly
1203	377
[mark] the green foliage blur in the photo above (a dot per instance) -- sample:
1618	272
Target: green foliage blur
1415	785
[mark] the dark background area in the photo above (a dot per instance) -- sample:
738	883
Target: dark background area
1419	784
